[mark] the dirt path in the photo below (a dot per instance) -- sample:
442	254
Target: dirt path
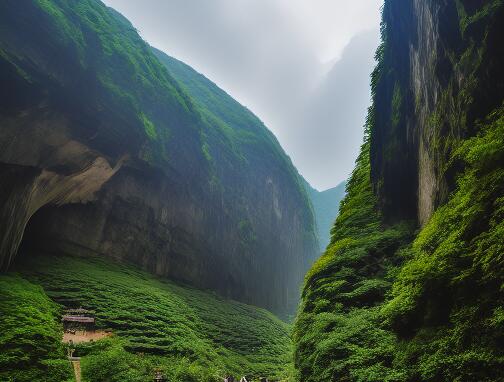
85	336
76	366
78	337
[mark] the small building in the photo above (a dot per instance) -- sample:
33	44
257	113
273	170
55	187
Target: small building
79	312
78	319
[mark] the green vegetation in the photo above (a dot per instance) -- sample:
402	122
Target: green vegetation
190	334
150	129
388	301
396	105
106	360
480	12
337	331
30	334
446	302
125	65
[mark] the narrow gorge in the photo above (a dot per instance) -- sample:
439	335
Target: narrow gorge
153	228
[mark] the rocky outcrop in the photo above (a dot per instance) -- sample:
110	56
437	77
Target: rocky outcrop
31	150
409	286
444	59
103	152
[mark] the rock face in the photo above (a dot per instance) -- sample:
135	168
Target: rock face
430	99
410	286
104	150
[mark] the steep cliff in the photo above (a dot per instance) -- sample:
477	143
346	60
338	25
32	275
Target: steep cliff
105	151
325	208
442	72
410	287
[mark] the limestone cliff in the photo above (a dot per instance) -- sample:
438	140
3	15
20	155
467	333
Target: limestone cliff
104	151
410	286
444	60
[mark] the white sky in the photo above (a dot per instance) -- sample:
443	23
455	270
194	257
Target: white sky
302	66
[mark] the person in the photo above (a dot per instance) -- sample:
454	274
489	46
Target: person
158	376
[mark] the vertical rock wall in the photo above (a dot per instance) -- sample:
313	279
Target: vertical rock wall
441	78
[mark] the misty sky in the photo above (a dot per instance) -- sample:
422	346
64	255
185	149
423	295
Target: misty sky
302	66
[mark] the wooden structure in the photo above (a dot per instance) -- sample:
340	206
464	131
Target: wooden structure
81	319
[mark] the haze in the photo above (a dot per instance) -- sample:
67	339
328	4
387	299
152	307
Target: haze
302	66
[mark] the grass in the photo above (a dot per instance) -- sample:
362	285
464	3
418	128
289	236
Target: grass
160	324
30	345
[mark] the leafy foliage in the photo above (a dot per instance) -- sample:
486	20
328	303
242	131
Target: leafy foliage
338	330
107	360
30	335
388	303
447	300
158	323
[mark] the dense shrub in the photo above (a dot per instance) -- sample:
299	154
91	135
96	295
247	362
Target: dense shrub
30	334
388	301
159	323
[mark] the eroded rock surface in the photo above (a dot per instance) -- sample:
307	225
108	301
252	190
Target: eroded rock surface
104	152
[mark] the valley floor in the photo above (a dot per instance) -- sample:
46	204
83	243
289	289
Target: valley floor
190	335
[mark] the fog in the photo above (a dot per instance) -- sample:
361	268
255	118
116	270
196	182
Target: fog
302	66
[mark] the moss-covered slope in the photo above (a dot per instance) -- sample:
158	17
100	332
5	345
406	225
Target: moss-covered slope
190	334
410	288
30	334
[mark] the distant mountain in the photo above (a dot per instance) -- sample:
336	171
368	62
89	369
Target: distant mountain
325	206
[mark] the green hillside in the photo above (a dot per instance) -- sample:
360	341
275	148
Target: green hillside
30	334
191	335
410	288
226	117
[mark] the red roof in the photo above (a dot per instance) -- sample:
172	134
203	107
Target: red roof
87	320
